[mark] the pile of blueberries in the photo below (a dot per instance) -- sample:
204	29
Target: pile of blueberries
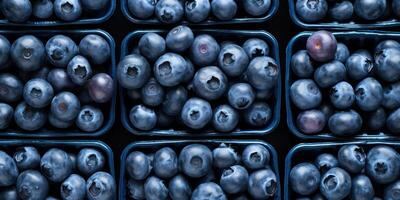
166	86
196	11
352	174
199	173
312	11
55	82
336	88
20	11
56	174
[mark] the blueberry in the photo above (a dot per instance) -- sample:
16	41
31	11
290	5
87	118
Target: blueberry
224	10
329	74
17	11
210	83
56	165
9	170
101	185
94	5
370	10
262	184
51	198
387	64
135	189
27	158
68	10
321	45
11	88
179	39
327	109
169	11
369	94
311	121
9	193
233	60
326	161
241	96
301	64
60	49
89	119
90	161
204	50
32	185
341	11
101	88
195	160
392	121
396	7
304	178
72	157
138	165
255	47
196	113
58	123
385	44
365	53
95	48
305	94
59	79
345	123
342	53
5	48
189	71
143	118
29	118
165	163
264	94
392	191
258	115
74	187
255	156
179	188
197	10
79	70
234	179
335	184
155	189
359	66
225	118
170	69
142	9
133	71
224	157
133	95
65	106
377	119
352	158
382	164
28	53
362	188
38	93
257	8
342	95
208	190
310	10
152	93
174	101
6	115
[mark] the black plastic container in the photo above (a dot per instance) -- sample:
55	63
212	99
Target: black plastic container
239	35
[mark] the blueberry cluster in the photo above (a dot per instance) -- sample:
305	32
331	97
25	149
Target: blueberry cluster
312	11
28	175
355	84
352	174
196	11
236	79
56	94
165	174
20	11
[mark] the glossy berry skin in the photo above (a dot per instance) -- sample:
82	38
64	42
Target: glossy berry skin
391	98
345	123
195	160
225	118
326	161
152	93
6	115
9	193
155	188
387	64
165	164
204	50
385	44
197	11
329	74
65	106
224	9
362	188
210	83
258	114
174	101
56	165
190	70
262	73
95	48
352	158
89	119
392	120
143	118
370	10
301	64
133	71
79	70
241	96
208	190
224	157
5	48
342	52
391	191
396	7
170	69
138	165
305	94
377	119
335	184
342	95
60	49
17	11
255	8
27	158
9	172
94	5
341	11
59	79
135	189
42	9
38	93
255	156
196	113
101	185
234	179
68	10
74	187
11	88
311	11
304	178
233	60
179	188
369	94
255	47
89	161
32	185
28	53
262	184
29	118
359	66
169	11
58	123
321	46
101	88
311	121
142	9
179	39
382	164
